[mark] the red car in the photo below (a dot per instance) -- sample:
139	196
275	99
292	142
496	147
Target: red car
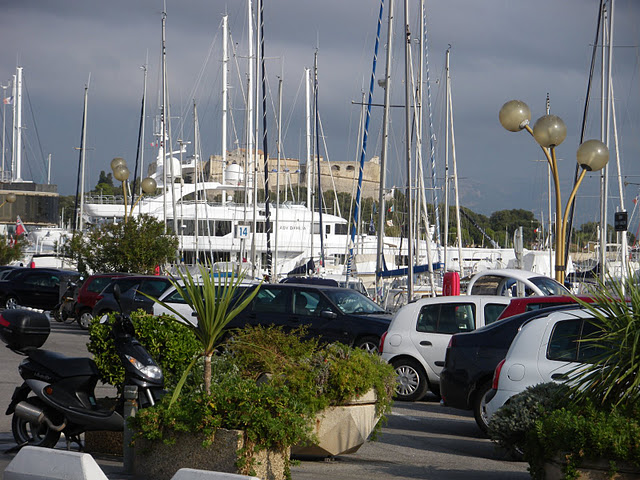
528	304
88	296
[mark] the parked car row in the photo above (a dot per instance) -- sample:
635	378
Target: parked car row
451	345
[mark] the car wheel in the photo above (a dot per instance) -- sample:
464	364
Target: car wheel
411	381
479	407
33	433
369	344
84	319
11	302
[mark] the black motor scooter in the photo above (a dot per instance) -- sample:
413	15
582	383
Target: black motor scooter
57	395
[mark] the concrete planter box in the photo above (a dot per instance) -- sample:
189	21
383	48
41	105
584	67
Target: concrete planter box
155	460
342	429
593	470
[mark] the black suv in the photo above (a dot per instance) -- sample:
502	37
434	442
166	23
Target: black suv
131	298
472	357
333	314
35	287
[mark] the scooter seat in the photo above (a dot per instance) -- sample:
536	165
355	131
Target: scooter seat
63	365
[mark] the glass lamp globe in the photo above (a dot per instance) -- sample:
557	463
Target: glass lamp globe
10	198
121	173
592	155
148	185
514	115
116	162
549	131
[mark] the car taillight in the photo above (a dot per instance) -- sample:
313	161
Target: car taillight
496	374
452	341
4	322
384	335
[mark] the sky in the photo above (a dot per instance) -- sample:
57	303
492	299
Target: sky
499	50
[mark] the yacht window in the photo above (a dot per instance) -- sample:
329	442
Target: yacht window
341	229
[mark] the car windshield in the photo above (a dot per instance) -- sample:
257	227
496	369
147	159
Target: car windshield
549	286
349	302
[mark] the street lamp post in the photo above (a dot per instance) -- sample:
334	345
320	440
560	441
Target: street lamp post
549	131
9	198
121	173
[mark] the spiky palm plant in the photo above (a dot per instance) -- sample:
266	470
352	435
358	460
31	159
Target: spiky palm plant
613	377
215	304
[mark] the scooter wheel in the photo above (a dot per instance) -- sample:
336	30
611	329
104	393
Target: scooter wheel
33	433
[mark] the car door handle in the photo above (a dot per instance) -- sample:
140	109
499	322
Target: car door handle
559	376
439	364
426	343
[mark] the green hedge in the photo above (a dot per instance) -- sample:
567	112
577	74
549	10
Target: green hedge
170	344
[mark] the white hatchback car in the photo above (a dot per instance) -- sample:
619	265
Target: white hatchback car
417	338
546	349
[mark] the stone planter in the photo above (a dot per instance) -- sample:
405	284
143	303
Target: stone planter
158	461
593	470
342	429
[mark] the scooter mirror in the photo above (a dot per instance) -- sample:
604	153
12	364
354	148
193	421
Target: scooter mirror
104	318
116	292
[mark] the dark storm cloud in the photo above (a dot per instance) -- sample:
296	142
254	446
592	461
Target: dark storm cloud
500	49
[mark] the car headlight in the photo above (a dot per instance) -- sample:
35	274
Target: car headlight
150	371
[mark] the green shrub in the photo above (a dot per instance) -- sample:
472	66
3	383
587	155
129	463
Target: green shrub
169	343
322	376
583	432
303	378
511	423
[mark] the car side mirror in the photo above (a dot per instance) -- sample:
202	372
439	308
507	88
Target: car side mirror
328	314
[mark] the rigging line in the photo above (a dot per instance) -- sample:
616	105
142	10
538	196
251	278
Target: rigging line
35	127
295	101
326	153
196	85
576	175
432	137
356	211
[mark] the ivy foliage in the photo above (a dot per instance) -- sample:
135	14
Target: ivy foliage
138	245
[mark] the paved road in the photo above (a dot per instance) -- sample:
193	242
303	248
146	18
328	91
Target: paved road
421	440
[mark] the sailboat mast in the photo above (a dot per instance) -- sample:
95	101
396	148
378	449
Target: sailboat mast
604	137
319	173
307	72
407	106
445	241
17	126
163	122
140	149
83	155
79	205
279	148
383	157
225	62
455	169
264	144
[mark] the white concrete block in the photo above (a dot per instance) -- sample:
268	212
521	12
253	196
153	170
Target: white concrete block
37	463
192	474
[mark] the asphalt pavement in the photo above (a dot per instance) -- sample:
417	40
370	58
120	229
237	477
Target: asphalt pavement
421	440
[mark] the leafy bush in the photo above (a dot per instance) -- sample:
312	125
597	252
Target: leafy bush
169	343
303	378
138	245
511	423
577	433
322	376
